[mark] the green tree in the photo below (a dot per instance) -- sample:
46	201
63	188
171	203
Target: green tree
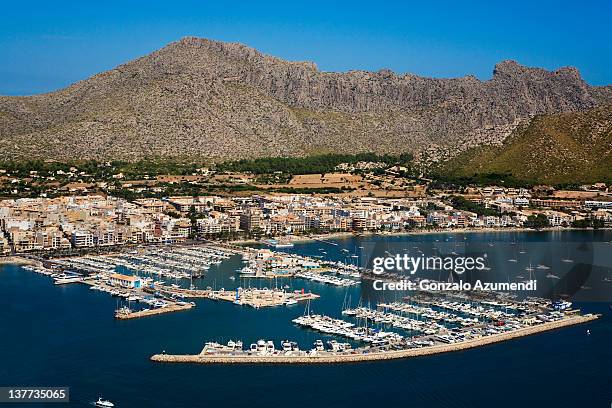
538	221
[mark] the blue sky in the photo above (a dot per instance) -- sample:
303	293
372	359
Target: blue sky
48	45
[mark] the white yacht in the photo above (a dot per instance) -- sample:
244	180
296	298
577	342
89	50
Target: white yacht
261	346
286	345
64	279
234	345
104	403
247	271
542	266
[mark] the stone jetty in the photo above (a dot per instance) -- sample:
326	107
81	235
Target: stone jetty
362	355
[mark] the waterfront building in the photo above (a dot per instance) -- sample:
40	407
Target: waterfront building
251	220
126	281
30	224
82	239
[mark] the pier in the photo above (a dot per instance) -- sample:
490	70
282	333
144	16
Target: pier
186	293
324	241
258	298
124	314
365	354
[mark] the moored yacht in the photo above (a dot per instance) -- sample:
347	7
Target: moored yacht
64	279
234	345
247	271
286	345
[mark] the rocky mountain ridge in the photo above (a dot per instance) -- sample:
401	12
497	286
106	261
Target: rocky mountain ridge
198	98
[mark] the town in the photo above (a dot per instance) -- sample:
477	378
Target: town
78	222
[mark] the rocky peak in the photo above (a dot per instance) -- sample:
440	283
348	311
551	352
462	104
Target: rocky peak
209	98
508	68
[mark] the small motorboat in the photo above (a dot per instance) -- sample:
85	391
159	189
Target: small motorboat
104	403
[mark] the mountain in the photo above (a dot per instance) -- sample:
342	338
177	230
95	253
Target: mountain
198	98
561	148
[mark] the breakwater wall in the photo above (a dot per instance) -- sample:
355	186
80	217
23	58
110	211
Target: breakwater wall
360	356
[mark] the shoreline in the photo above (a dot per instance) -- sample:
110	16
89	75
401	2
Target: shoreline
17	260
21	259
375	356
346	234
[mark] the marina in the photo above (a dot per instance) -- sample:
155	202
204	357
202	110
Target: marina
270	356
430	324
154	302
141	272
214	336
317	204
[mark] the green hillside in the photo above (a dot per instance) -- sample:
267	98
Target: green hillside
555	149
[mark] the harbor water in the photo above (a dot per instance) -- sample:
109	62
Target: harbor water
67	336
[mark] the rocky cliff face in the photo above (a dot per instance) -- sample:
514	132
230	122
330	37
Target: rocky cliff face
202	98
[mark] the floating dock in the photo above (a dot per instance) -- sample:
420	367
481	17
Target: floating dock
364	354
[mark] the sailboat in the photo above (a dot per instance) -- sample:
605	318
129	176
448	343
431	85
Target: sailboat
346	304
307	308
530	274
191	286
